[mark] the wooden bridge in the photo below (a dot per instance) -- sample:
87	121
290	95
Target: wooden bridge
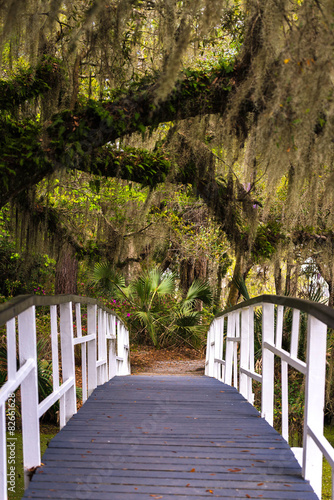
140	437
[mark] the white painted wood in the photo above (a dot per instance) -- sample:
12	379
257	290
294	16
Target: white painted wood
26	375
112	358
62	412
252	375
102	346
279	326
91	348
83	340
314	402
268	333
54	346
54	396
235	350
244	351
67	357
80	338
295	333
11	349
217	349
324	445
229	349
29	390
295	363
250	396
3	453
211	351
11	385
207	354
285	400
315	445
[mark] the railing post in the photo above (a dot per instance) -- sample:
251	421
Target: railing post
112	346
210	352
217	349
102	346
67	359
244	352
314	401
29	392
268	335
91	348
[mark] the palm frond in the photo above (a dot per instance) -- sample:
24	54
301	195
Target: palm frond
240	285
106	277
198	290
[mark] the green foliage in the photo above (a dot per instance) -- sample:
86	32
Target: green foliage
150	307
20	275
29	83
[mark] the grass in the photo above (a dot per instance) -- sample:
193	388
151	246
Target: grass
327	473
47	433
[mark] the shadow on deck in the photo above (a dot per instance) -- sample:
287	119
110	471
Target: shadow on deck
168	437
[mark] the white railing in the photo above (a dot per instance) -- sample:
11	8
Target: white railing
230	358
74	320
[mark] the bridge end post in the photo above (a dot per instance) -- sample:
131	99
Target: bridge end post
29	392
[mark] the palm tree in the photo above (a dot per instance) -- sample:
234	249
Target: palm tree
159	321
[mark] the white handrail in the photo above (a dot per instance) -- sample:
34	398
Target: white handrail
104	354
230	358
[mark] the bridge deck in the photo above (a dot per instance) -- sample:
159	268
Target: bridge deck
168	437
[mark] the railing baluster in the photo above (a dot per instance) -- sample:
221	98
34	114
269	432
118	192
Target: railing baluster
91	330
229	349
235	350
285	400
244	351
83	352
267	406
54	347
112	347
314	401
29	391
67	356
295	333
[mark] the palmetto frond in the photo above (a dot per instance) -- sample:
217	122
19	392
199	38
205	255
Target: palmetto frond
199	290
106	277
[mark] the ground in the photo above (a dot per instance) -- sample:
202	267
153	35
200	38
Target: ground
182	361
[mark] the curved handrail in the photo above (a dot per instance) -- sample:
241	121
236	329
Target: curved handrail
21	303
323	313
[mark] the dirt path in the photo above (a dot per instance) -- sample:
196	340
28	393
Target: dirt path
149	361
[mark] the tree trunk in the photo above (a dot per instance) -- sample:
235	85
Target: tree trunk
278	277
66	271
233	296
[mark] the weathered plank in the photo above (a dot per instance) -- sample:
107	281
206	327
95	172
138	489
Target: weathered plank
168	437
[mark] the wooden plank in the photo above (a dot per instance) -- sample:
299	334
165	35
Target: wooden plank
168	437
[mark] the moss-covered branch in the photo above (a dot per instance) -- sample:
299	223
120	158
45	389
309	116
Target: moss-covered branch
29	84
74	139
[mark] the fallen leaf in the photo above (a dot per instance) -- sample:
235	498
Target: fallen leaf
259	484
193	470
209	491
